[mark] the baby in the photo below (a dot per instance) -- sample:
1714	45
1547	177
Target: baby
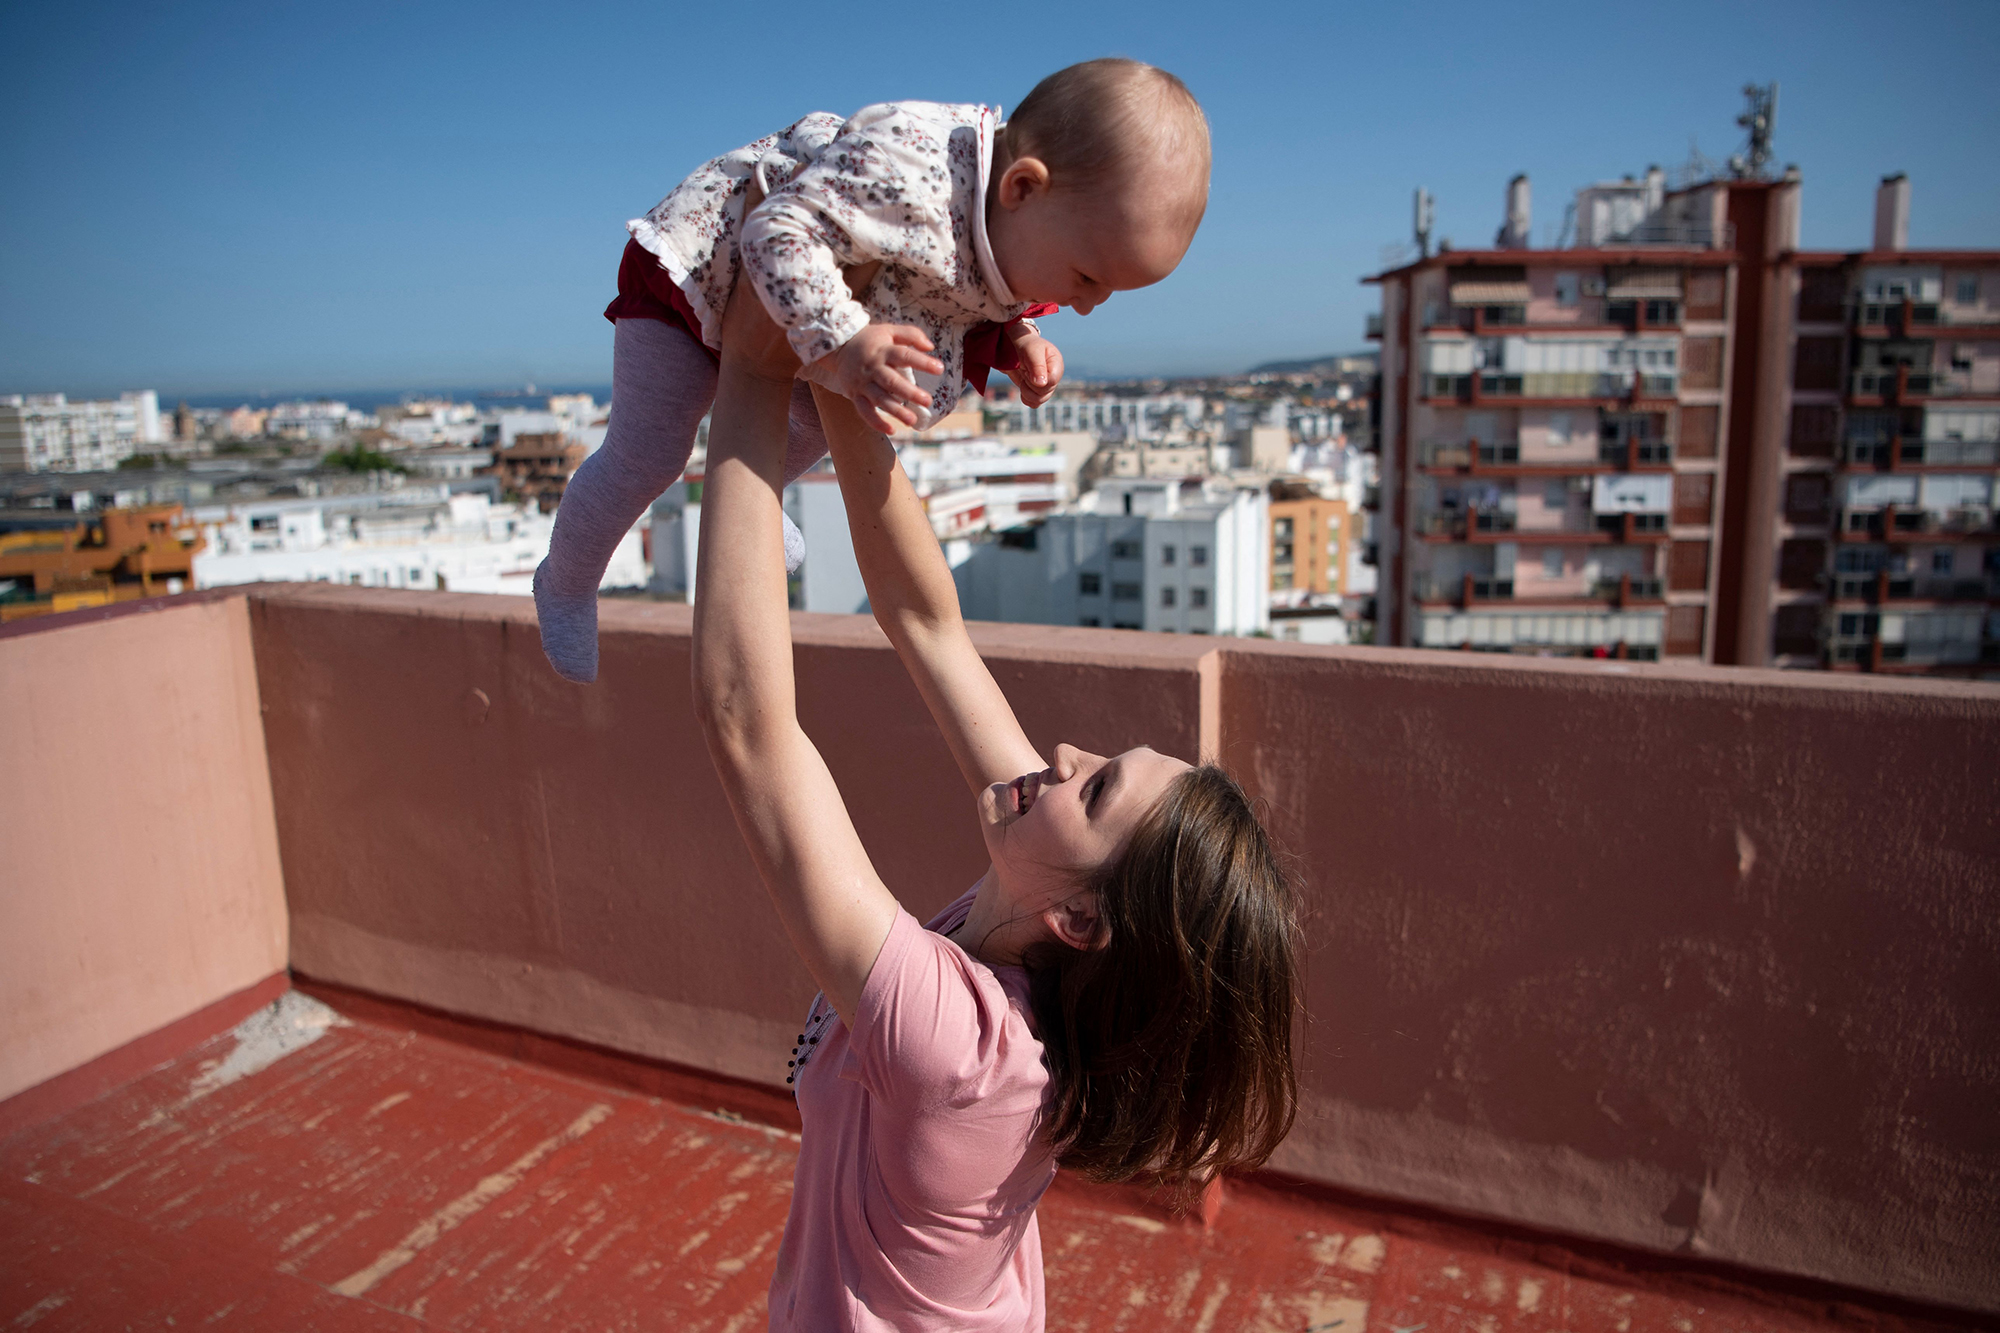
1095	186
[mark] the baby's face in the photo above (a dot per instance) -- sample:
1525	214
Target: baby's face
1076	247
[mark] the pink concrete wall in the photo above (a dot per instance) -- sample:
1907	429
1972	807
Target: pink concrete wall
1681	958
464	829
141	875
1684	958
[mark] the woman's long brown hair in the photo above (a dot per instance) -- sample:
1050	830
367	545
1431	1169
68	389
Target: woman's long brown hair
1171	1046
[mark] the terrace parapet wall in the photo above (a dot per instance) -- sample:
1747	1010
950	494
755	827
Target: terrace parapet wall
1684	959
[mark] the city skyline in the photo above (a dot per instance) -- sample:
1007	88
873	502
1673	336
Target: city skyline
227	199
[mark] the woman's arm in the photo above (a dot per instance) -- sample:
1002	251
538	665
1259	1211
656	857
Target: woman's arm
832	904
914	599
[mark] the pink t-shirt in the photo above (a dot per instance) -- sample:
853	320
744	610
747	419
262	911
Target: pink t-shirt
913	1205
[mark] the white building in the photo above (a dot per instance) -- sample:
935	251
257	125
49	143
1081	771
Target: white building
1017	483
416	537
1174	556
48	433
1148	418
323	421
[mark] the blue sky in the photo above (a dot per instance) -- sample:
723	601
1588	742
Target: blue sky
276	196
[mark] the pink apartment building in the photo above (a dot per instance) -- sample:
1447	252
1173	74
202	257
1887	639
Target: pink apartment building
1683	437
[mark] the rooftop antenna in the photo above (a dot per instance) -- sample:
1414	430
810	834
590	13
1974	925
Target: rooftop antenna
1422	221
1760	121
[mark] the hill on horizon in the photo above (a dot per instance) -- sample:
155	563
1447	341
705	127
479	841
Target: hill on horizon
1308	365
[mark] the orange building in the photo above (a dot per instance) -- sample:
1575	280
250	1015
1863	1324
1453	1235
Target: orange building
1309	536
119	555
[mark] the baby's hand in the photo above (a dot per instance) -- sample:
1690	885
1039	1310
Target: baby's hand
868	369
1040	371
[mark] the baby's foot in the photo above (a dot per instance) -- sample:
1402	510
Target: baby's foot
569	630
795	545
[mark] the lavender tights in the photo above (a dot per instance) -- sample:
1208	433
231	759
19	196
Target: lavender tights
662	383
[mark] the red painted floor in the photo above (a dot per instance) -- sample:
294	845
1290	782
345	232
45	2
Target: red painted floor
382	1179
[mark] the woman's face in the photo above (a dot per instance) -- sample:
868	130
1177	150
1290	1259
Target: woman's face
1044	830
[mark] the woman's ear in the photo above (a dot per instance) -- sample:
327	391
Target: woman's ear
1024	178
1076	922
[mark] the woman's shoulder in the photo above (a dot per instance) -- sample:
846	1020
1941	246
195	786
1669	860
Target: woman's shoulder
935	1024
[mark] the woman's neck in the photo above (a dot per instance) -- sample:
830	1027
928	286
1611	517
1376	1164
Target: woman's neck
993	932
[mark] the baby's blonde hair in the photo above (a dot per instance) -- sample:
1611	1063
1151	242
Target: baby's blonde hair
1089	120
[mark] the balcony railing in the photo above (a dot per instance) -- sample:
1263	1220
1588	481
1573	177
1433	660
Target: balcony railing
1916	452
1629	588
1894	314
1635	453
1897	520
1628	527
1899	382
1455	453
1657	313
1618	386
1883	586
1464	590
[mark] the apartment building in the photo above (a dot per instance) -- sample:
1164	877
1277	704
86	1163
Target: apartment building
1882	552
49	433
1555	425
1310	537
1685	437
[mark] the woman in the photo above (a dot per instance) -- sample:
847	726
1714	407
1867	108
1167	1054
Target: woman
1116	993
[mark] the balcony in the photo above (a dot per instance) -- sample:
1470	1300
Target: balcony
1884	586
1914	452
1634	454
1898	384
556	1098
1373	327
1630	528
1626	589
1894	523
1469	453
1583	386
1900	315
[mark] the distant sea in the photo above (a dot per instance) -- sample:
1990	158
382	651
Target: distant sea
368	400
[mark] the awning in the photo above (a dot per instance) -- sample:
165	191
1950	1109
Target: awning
1628	284
1489	293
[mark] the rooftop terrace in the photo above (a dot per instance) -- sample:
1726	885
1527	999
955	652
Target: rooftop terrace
1638	998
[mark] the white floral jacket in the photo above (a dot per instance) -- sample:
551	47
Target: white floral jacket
903	182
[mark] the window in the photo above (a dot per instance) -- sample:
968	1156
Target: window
1282	528
1966	290
1126	624
1552	562
1088	622
1167	554
1089	585
1941	561
1166	597
1125	592
1566	289
1555	493
1125	551
1663	312
1197	598
1197	555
